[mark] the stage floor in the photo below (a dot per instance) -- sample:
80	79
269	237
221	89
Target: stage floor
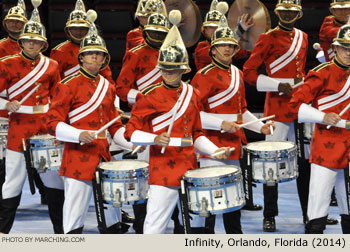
33	218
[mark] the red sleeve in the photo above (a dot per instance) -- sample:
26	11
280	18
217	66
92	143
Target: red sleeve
256	59
201	55
57	56
133	39
126	79
327	33
197	125
55	80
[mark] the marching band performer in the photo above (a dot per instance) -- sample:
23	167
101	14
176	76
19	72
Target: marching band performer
326	87
170	104
83	103
340	11
222	94
210	24
144	9
20	74
283	50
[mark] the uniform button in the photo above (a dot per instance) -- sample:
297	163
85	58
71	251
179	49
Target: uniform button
298	69
298	75
297	63
185	116
185	122
186	135
186	128
101	107
101	114
101	120
297	57
37	103
37	96
33	63
178	95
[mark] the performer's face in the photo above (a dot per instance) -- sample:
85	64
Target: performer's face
343	54
32	47
288	16
209	30
341	14
142	20
14	26
172	77
224	52
92	61
78	33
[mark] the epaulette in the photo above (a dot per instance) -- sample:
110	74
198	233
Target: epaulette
2	40
150	88
206	69
271	30
8	57
323	65
60	45
137	48
65	80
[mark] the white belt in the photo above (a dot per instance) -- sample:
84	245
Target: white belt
227	117
33	109
291	81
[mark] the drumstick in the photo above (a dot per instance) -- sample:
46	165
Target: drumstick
221	152
254	121
172	122
341	113
295	86
27	96
271	130
103	128
136	149
122	113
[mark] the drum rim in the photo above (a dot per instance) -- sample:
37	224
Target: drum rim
239	171
292	147
123	160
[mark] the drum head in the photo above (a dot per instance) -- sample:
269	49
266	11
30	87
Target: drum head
46	136
215	171
123	165
270	146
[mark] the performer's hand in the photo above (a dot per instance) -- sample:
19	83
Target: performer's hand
331	118
13	106
225	155
229	127
162	139
285	88
142	148
246	21
265	129
86	137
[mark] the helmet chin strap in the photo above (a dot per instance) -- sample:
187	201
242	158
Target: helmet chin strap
169	81
76	38
340	59
300	14
226	57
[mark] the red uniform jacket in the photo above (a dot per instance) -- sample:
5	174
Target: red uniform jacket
202	58
270	47
134	38
13	69
139	70
329	147
328	32
80	161
215	79
66	54
166	169
8	46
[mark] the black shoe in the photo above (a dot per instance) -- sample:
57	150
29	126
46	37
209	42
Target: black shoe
333	202
126	218
269	224
331	221
254	207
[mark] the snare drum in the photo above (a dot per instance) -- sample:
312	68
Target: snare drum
124	181
45	152
216	189
4	126
273	162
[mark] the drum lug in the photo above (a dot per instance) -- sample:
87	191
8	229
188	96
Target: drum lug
203	208
42	163
117	203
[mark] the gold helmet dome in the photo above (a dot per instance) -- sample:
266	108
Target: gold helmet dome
94	42
213	17
148	7
34	29
224	34
77	18
343	37
340	4
289	5
17	12
173	54
157	21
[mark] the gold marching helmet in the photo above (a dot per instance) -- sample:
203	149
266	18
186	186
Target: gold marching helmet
148	7
173	54
157	21
340	4
213	17
34	29
93	42
289	5
343	37
17	12
77	18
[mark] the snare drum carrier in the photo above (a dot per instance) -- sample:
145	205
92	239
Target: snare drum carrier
272	162
216	189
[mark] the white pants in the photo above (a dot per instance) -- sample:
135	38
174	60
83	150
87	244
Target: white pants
76	205
322	182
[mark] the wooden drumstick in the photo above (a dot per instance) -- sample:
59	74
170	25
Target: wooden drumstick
27	96
271	130
341	113
136	149
177	105
295	86
254	121
221	152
